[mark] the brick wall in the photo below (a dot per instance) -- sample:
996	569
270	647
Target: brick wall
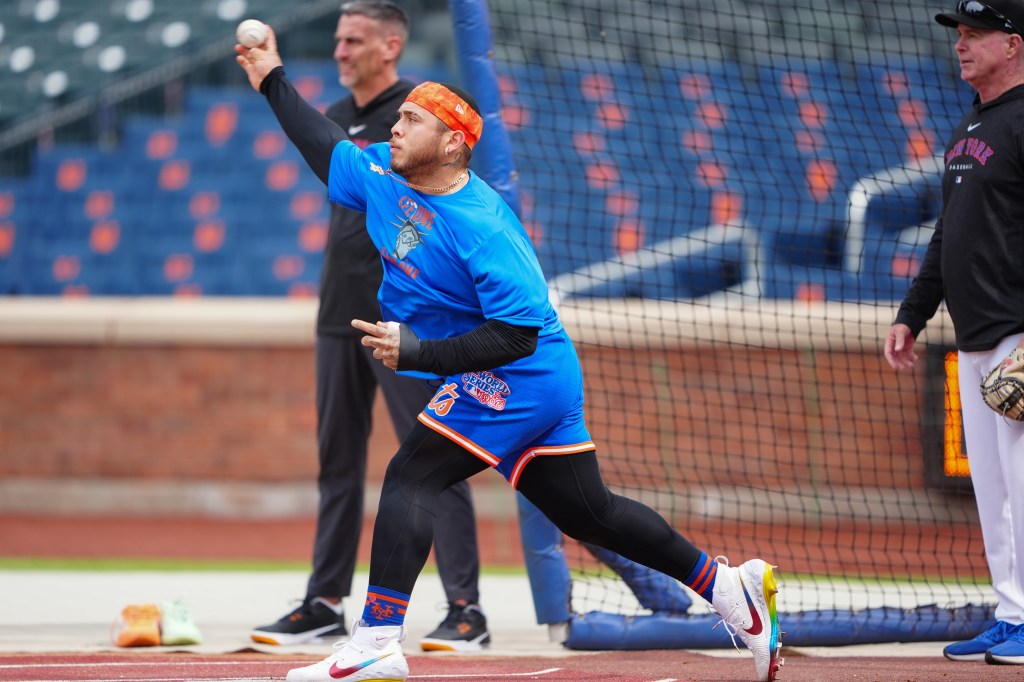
247	414
223	392
159	412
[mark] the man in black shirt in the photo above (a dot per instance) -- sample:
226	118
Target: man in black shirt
973	262
369	39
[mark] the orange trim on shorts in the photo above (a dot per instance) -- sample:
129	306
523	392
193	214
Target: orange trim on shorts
576	449
458	439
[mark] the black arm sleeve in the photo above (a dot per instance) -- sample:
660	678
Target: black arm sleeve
925	293
492	344
312	133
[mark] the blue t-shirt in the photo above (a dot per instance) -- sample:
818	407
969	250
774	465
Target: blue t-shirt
451	262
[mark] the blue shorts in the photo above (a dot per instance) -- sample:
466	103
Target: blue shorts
525	409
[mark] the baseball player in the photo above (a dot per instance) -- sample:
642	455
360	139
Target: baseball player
369	38
973	262
464	302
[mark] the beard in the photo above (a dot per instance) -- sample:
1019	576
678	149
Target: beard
417	164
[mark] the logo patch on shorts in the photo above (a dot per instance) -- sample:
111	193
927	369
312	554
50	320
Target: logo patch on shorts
487	388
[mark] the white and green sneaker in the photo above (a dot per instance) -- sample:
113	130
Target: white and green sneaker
176	626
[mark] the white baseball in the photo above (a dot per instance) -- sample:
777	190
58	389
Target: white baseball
251	33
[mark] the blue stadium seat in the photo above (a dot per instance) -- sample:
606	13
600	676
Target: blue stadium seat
574	234
677	269
81	256
15	226
889	243
808	283
653	150
188	273
282	273
670	206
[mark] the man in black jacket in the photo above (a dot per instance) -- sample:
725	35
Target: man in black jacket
369	39
974	263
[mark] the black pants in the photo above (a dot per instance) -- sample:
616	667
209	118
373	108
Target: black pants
347	377
567	488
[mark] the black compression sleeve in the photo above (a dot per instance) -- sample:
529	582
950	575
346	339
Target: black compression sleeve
312	133
925	293
492	344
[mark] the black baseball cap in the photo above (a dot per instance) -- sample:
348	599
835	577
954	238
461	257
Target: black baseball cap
995	15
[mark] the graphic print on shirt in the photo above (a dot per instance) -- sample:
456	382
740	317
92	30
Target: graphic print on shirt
970	147
408	239
487	388
416	223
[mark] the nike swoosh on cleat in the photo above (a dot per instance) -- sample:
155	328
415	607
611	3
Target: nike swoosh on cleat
340	673
756	626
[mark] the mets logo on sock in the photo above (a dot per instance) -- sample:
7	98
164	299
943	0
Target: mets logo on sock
487	388
381	611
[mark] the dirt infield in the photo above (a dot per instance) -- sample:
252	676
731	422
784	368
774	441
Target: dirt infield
653	666
290	540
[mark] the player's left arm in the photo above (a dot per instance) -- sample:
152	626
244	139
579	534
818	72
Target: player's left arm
492	344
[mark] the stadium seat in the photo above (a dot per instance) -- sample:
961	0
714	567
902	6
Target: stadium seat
282	273
637	155
84	257
808	283
14	228
188	273
893	243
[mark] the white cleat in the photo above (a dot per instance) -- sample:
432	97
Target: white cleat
744	597
373	654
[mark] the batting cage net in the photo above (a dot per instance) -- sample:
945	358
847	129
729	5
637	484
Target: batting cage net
729	200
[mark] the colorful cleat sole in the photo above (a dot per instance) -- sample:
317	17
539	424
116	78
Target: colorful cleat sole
771	588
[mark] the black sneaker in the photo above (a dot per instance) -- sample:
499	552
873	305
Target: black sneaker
313	620
463	629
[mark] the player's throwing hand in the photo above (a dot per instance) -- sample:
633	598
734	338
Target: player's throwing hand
384	338
260	60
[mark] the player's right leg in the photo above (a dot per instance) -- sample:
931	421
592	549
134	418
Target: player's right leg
426	464
568	489
456	550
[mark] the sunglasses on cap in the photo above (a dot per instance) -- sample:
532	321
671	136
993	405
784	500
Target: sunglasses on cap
973	8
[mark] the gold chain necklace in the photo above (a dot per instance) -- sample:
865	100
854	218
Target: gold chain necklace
423	188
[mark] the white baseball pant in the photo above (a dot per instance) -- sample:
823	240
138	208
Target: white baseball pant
995	452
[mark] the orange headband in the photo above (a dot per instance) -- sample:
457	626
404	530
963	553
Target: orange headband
453	111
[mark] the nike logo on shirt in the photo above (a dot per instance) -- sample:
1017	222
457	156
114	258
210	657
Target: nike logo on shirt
972	126
355	130
340	673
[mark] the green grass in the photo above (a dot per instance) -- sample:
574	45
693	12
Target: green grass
122	564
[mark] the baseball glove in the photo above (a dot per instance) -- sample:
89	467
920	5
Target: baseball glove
1003	388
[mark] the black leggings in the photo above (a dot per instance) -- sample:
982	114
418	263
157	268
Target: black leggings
567	488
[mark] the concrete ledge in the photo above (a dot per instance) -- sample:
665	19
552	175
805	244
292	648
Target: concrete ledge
627	323
493	499
159	321
186	498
